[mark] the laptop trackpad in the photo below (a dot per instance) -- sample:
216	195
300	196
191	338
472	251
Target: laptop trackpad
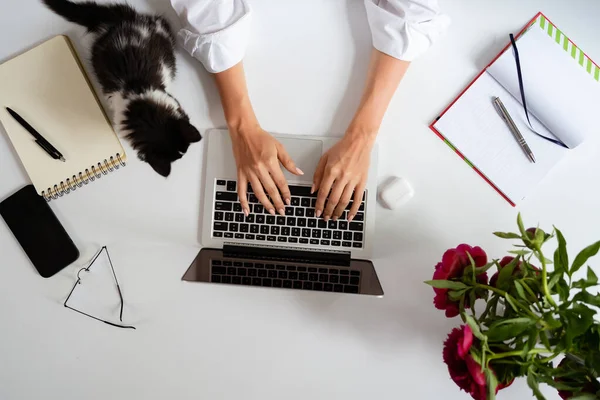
306	153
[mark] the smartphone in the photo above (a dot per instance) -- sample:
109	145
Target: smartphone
38	231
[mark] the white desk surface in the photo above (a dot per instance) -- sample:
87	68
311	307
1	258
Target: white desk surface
305	65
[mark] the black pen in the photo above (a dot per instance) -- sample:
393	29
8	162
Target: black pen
43	143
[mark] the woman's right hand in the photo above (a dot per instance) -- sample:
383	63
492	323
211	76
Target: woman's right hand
258	156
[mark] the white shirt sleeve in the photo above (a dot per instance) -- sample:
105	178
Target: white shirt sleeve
405	29
215	31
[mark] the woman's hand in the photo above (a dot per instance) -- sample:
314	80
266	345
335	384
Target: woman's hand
343	171
257	155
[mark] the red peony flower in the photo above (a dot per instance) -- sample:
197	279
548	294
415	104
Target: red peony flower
452	266
463	369
503	263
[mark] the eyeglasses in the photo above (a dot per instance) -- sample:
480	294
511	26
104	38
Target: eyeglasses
87	269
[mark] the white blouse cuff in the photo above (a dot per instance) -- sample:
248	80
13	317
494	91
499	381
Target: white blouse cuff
221	50
405	38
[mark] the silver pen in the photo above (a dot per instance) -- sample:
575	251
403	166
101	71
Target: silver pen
513	128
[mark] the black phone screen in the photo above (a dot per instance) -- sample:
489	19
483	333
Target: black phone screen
38	231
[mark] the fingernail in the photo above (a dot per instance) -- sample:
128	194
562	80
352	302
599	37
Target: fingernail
271	211
299	171
312	189
334	218
246	212
281	211
350	217
326	218
288	202
318	214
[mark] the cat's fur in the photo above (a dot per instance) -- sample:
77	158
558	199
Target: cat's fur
133	57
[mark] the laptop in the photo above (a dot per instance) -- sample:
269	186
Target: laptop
297	251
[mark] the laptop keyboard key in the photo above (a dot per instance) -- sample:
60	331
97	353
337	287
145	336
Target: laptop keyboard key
359	217
225	196
291	221
250	218
307	286
301	221
287	284
336	243
347	235
354	280
322	224
325	242
233	227
305	202
226	279
295	201
231	186
338	288
237	207
260	237
220	226
337	235
314	241
262	273
274	230
296	232
316	233
229	216
282	239
289	211
258	209
326	234
270	220
264	229
219	216
328	287
358	236
218	234
334	278
280	220
356	226
303	240
347	244
299	212
357	245
332	224
277	282
239	235
297	285
228	235
271	238
221	182
343	225
305	232
239	217
293	275
310	212
350	289
318	286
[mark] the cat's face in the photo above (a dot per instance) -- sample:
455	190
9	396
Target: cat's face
160	133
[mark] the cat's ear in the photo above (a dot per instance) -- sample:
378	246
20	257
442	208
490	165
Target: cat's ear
160	165
189	133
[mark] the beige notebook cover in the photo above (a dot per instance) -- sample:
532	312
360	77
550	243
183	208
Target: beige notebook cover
48	87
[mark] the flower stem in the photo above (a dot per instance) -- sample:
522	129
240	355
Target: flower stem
545	278
517	353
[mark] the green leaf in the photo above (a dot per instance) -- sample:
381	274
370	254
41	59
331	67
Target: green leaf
585	297
455	295
540	235
505	274
511	300
578	320
492	383
591	280
531	341
561	258
533	384
507	235
521	227
562	288
521	291
552	322
583	256
519	252
474	327
554	280
445	284
508	329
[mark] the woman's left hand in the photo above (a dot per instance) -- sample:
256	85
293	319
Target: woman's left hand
343	171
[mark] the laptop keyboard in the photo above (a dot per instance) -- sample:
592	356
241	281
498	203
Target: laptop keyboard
298	226
318	278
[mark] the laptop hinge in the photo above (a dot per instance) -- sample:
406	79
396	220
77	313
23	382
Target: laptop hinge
287	255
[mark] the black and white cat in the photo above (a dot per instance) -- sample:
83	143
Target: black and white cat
133	57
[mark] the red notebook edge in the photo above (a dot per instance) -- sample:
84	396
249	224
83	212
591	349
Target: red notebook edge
431	126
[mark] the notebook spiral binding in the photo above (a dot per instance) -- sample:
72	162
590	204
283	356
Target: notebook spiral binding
83	178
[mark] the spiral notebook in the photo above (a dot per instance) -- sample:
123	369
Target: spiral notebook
48	87
562	89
